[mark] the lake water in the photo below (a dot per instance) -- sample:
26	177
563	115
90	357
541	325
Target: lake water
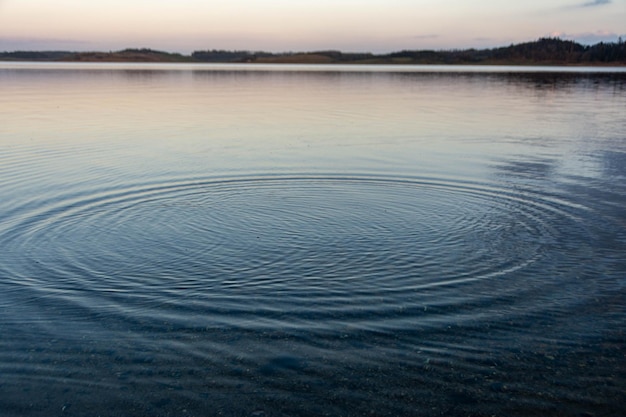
198	240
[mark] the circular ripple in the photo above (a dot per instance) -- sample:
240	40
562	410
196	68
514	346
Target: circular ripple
285	251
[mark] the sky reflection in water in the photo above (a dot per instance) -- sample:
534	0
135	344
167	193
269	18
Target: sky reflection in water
287	242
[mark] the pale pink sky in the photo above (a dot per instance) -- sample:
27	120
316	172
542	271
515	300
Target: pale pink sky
292	25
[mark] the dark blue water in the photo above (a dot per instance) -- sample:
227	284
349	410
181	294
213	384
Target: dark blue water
211	240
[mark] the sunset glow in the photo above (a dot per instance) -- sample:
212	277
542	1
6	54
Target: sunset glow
280	25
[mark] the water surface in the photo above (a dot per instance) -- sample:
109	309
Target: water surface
309	240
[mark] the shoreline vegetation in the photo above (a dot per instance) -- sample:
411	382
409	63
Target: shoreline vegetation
544	51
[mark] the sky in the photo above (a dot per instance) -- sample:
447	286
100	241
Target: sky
302	25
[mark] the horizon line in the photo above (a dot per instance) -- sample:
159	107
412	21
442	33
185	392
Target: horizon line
150	49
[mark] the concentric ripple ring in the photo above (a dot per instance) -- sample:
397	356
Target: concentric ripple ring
369	250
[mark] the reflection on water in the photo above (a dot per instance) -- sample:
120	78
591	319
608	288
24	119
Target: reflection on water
206	240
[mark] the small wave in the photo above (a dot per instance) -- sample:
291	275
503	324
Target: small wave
289	250
216	286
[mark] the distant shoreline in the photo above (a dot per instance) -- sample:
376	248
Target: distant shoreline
543	52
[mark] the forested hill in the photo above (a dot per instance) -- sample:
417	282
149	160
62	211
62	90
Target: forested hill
545	51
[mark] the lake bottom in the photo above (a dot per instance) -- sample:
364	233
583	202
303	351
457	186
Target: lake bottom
311	295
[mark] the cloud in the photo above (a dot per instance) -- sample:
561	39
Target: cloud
589	38
594	3
428	36
13	43
585	5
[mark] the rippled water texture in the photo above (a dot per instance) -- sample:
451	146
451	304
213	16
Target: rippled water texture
282	241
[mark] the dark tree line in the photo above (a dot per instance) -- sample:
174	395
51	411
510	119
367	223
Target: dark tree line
542	51
35	55
215	55
221	55
554	49
545	51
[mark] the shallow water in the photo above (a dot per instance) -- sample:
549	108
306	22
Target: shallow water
293	240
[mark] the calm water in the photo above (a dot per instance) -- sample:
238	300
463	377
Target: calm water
296	241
